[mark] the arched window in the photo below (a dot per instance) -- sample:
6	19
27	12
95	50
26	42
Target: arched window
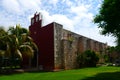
32	21
37	18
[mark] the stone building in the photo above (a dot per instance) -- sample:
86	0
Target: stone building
58	47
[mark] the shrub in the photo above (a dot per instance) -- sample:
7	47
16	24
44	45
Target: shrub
87	59
106	58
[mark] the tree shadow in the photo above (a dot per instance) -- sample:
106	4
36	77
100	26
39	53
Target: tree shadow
105	76
19	71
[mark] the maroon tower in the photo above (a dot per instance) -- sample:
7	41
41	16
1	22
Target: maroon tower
44	38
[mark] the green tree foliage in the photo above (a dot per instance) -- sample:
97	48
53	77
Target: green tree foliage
113	53
108	18
14	45
87	59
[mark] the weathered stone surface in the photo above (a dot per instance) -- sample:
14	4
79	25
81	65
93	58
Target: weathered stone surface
69	45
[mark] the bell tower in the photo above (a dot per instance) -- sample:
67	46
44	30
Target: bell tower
35	27
36	20
36	23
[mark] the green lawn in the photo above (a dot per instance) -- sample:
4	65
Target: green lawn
100	73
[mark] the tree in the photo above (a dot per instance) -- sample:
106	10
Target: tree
15	44
108	18
23	43
3	33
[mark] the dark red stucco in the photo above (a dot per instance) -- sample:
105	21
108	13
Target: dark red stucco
44	38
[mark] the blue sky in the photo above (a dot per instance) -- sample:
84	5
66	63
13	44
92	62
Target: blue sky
74	15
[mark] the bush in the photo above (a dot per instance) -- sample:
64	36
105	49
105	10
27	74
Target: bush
87	59
106	58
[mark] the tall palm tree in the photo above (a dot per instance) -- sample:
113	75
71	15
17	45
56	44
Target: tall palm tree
15	44
23	43
3	33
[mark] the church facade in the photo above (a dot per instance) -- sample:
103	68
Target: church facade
58	47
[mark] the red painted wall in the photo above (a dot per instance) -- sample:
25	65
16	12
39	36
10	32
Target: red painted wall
44	38
46	47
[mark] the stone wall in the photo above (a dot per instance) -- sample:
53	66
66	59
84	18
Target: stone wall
58	55
67	46
74	44
70	42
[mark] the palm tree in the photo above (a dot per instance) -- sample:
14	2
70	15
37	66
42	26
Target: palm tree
23	43
15	44
3	45
3	33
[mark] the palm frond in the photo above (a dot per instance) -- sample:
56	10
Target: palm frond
2	53
27	51
18	54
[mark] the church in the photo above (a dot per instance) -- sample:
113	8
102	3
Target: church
58	47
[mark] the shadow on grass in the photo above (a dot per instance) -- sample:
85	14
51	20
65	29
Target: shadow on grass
18	71
105	76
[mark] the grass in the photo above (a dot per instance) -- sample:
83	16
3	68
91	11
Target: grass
99	73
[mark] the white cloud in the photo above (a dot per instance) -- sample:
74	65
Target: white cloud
19	7
54	2
5	21
16	11
82	20
81	10
69	3
83	15
84	29
30	4
11	6
93	33
76	15
83	24
62	19
46	17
